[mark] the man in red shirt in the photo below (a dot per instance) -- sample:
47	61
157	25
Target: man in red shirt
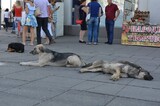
112	12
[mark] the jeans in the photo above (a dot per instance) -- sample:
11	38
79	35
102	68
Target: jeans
42	22
6	23
110	30
17	22
13	26
93	29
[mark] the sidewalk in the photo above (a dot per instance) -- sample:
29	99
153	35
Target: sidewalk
58	86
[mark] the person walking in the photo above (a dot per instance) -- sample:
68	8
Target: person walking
42	19
6	18
30	22
94	10
82	16
18	16
112	12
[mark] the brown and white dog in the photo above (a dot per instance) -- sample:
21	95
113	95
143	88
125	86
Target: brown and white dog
53	58
118	69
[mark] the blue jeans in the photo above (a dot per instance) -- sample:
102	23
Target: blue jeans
110	30
93	29
13	26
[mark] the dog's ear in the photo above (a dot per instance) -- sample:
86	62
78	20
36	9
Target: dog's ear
41	48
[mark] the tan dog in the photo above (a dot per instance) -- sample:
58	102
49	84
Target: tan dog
118	69
53	58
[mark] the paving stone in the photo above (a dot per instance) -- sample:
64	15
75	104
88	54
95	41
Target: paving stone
9	68
77	98
36	92
111	89
16	100
6	84
149	84
70	73
30	75
147	94
131	102
87	85
61	81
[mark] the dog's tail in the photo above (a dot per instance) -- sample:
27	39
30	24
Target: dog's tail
95	64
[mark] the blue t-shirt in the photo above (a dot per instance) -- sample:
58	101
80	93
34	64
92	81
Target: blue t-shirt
94	8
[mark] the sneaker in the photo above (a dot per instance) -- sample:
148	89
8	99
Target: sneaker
95	43
89	43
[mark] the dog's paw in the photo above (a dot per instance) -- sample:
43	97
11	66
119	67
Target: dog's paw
82	70
115	77
23	63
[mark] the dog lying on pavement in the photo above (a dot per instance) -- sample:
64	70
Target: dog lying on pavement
53	58
118	69
15	47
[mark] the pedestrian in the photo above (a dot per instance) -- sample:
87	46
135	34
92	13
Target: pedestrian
13	17
42	19
112	12
6	18
30	22
93	23
82	16
18	16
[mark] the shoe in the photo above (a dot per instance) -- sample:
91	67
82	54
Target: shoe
51	41
82	41
106	42
95	43
89	43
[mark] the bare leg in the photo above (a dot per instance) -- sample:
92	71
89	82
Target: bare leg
25	29
32	35
81	34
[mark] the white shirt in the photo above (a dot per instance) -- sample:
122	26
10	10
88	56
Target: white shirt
6	14
43	5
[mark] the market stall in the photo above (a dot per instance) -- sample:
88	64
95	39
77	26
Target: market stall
137	29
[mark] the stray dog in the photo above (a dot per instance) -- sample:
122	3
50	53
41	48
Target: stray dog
15	47
119	69
53	58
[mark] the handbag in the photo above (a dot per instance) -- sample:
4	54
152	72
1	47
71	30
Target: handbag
78	21
37	11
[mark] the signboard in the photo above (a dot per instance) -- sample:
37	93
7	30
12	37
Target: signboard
143	35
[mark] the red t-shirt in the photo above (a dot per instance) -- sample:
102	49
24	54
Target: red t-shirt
110	11
18	11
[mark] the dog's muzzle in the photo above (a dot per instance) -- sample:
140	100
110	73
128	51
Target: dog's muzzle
33	52
148	77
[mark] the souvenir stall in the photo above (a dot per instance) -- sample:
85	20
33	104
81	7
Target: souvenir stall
137	28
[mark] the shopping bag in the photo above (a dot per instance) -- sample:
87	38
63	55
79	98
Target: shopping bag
23	20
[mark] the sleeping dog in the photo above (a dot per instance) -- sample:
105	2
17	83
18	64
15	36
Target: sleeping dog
118	69
15	47
53	58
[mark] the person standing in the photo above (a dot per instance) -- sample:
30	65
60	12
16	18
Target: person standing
18	16
112	12
42	19
30	21
82	16
94	9
6	18
54	9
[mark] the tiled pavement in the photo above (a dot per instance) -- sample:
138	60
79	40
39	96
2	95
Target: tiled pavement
58	86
